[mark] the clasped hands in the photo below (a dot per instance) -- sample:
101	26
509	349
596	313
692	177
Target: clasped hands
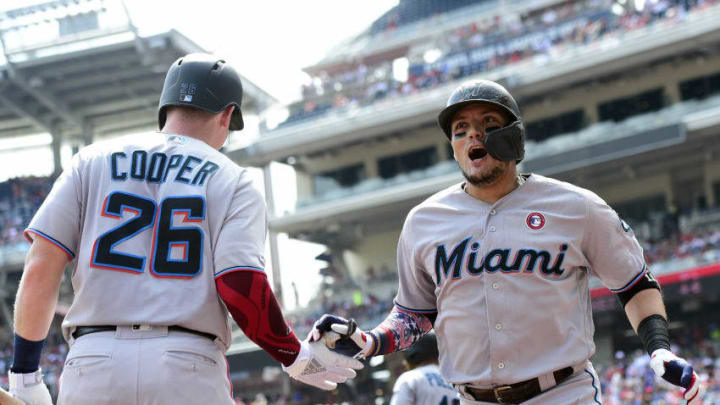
329	355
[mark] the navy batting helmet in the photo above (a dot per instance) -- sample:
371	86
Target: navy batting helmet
424	349
202	81
506	143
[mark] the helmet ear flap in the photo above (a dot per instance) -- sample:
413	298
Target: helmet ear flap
162	116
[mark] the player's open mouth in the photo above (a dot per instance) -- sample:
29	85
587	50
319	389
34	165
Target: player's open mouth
477	153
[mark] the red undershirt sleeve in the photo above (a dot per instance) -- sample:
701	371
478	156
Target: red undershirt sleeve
252	304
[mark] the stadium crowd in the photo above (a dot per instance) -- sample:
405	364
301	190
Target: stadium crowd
486	45
19	199
681	245
630	380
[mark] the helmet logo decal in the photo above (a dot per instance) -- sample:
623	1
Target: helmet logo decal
470	92
187	90
535	221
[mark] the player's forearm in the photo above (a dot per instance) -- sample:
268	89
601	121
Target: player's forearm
646	313
399	331
643	304
253	305
36	300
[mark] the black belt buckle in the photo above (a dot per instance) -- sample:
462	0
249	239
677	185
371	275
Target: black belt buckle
499	391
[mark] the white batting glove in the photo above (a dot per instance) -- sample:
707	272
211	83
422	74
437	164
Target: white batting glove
343	336
29	388
678	372
316	365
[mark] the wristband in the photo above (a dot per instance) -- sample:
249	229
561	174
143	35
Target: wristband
653	332
26	358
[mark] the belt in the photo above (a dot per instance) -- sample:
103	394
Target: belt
515	393
84	330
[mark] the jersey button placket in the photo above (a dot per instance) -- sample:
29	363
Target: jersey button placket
494	299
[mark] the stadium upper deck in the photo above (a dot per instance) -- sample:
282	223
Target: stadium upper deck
618	99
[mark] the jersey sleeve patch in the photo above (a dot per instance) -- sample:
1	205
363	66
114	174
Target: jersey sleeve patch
239	268
632	282
30	231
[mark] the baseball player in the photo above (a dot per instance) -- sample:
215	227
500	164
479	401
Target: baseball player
422	384
499	266
168	237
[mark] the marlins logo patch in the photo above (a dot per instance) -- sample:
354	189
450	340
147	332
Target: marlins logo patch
535	221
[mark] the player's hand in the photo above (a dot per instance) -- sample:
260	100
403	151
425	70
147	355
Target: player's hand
29	388
343	336
316	365
679	372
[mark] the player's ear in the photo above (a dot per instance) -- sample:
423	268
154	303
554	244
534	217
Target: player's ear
226	116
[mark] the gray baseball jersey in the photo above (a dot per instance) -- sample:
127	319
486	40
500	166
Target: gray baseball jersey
423	386
152	223
509	280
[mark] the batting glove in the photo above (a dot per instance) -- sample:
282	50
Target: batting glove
316	365
677	371
29	388
344	337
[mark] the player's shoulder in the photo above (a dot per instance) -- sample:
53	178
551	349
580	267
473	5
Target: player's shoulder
246	186
548	186
103	148
442	198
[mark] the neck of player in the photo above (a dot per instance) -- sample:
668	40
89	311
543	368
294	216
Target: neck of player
211	129
490	193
